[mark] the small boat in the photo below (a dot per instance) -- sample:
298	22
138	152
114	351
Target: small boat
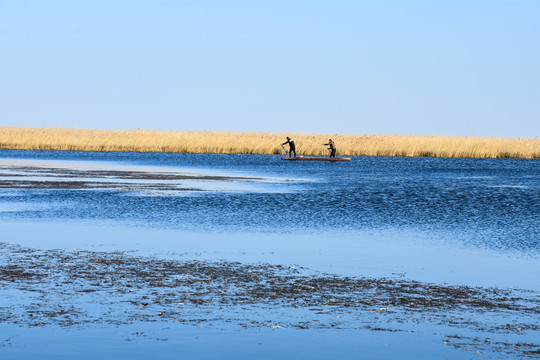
316	158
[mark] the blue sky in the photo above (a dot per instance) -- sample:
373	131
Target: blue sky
444	67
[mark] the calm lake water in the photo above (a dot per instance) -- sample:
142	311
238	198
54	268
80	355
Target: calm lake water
448	221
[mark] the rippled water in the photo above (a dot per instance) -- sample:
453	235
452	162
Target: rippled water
492	203
433	219
444	221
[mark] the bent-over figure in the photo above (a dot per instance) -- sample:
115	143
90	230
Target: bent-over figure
292	147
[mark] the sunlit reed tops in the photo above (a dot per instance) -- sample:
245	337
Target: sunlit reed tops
265	143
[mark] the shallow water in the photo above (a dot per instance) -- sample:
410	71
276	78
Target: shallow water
466	210
143	341
484	203
454	221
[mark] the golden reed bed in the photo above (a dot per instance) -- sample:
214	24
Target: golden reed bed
265	143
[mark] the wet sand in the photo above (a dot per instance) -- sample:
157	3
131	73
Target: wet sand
85	288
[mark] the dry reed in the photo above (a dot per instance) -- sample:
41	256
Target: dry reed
265	143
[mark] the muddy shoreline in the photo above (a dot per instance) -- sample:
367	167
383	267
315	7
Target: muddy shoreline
83	288
52	178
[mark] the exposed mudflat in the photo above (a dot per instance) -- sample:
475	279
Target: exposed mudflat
83	288
41	176
114	174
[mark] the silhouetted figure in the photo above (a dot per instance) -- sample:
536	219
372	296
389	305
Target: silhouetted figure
332	148
292	147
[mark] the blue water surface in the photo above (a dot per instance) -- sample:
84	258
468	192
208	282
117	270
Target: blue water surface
489	203
440	220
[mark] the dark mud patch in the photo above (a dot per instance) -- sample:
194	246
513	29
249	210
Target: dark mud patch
88	185
115	174
55	287
17	177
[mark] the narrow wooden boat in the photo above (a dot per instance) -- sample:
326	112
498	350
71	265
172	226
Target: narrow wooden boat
315	158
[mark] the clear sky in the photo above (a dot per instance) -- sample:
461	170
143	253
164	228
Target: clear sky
439	67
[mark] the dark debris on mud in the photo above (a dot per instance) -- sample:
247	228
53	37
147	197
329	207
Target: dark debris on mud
70	179
89	185
86	287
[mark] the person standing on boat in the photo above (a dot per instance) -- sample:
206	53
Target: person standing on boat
292	147
332	148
